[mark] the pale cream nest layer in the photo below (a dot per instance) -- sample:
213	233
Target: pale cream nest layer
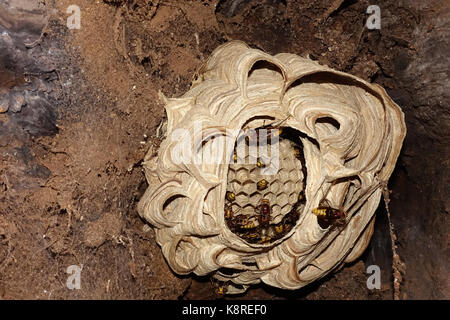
348	153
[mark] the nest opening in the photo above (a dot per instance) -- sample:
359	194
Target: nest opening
265	65
330	122
263	208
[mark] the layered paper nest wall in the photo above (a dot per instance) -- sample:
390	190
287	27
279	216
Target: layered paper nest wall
346	164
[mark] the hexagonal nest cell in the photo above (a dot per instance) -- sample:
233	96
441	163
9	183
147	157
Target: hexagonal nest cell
270	169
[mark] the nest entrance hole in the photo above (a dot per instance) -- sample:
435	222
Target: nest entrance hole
263	209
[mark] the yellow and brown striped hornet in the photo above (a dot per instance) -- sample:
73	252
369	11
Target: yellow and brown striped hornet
327	215
279	228
237	223
230	196
220	287
262	184
260	164
273	129
228	214
264	211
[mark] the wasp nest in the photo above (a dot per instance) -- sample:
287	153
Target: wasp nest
271	169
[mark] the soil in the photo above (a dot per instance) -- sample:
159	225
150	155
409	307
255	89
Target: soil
79	109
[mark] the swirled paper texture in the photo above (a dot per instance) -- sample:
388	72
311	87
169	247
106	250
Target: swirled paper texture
352	133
